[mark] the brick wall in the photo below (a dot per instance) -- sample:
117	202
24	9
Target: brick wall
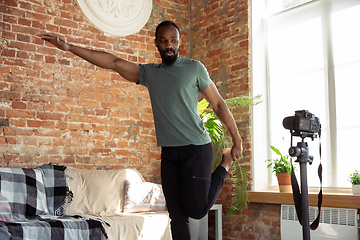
57	108
259	221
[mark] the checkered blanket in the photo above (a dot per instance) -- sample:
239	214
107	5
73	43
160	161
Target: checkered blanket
37	198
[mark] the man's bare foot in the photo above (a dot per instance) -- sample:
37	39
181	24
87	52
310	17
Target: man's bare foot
227	159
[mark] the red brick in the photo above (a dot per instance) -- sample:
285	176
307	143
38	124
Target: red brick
23	55
18	70
100	112
99	120
30	141
74	94
74	143
48	124
11	3
17	122
50	116
98	128
62	125
69	160
2	112
11	140
48	132
62	108
20	114
8	157
50	59
89	104
19	105
65	23
8	53
23	38
64	62
75	151
86	127
77	118
74	126
17	131
49	107
44	142
34	123
52	28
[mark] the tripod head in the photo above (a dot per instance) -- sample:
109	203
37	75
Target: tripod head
301	151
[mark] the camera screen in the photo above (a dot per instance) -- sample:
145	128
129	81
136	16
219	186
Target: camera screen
304	124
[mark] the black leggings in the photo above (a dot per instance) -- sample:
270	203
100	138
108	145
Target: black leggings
190	188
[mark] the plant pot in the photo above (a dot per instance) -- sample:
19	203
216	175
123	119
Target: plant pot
284	181
356	189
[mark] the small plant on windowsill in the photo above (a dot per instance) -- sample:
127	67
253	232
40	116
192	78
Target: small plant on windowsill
282	168
355	181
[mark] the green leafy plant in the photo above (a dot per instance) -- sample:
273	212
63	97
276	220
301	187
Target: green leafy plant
220	139
354	178
279	165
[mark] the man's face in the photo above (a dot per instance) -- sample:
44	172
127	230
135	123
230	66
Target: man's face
168	43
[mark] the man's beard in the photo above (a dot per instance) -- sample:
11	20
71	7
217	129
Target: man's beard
169	59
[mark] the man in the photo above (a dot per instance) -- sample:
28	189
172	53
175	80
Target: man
189	187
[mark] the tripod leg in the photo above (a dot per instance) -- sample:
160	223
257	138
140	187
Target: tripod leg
304	201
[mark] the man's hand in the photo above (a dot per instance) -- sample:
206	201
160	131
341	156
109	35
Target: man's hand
56	41
236	151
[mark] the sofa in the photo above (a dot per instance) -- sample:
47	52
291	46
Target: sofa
58	202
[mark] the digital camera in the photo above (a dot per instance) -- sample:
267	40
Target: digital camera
303	124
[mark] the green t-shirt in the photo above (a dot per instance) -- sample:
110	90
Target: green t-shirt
174	94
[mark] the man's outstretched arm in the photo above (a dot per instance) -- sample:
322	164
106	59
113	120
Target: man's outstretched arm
126	69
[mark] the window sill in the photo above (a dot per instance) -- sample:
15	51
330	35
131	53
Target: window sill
340	200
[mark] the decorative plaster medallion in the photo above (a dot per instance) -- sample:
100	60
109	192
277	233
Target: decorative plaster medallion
117	17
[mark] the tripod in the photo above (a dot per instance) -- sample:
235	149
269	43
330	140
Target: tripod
301	151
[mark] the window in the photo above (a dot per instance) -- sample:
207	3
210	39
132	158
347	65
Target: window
306	55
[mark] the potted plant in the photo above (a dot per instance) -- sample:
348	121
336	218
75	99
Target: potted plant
220	139
282	168
355	181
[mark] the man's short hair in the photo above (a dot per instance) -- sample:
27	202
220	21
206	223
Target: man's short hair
166	24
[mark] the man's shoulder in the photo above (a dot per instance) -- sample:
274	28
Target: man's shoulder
189	61
148	64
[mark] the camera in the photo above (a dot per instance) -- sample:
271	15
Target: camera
303	124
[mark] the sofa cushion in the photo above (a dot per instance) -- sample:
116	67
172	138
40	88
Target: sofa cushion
98	192
25	191
143	197
5	210
131	226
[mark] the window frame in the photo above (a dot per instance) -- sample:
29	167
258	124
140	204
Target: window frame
263	177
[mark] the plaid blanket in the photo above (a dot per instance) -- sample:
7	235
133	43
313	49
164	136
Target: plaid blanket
56	190
37	198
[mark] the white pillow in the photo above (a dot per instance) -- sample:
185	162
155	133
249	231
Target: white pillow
5	209
98	192
143	197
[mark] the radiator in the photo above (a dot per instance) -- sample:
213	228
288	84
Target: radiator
335	223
